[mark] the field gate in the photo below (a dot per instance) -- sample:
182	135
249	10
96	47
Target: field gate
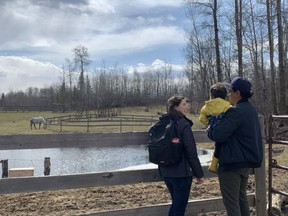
278	134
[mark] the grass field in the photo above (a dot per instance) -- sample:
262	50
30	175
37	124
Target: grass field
18	122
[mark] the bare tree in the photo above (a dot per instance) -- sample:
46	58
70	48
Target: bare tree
238	27
198	53
217	45
81	61
282	78
252	44
62	93
271	58
209	8
69	72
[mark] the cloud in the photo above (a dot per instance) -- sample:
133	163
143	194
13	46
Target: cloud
156	65
34	33
19	73
135	40
49	27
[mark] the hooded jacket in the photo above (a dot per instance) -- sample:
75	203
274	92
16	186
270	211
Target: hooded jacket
190	164
213	107
239	135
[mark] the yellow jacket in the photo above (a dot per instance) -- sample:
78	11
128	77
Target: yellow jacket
213	107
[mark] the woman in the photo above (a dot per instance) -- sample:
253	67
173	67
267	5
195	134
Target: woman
178	178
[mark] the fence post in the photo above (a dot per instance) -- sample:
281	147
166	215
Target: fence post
4	168
88	119
152	120
260	179
60	125
47	165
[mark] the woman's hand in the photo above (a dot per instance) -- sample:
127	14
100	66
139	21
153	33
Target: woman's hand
199	180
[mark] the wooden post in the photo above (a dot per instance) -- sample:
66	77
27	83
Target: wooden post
4	168
47	165
88	120
60	125
260	179
276	203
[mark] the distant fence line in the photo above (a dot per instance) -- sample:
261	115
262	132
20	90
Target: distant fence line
25	108
99	120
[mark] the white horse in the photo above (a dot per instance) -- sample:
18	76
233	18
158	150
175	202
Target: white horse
39	121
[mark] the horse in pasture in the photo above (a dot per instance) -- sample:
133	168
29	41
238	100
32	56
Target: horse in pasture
39	121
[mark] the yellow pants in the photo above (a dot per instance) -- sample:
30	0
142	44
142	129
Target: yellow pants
213	165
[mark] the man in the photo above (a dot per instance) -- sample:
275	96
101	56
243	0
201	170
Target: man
239	135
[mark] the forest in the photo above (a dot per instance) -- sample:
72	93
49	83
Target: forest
225	39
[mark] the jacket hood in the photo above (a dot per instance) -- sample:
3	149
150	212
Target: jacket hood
176	117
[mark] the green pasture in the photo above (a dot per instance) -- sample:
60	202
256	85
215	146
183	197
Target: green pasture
18	122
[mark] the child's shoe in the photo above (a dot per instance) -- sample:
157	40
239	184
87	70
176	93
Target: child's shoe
213	165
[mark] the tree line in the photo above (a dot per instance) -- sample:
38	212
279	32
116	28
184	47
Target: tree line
82	88
225	39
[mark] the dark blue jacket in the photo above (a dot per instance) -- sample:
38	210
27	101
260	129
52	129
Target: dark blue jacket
190	164
239	135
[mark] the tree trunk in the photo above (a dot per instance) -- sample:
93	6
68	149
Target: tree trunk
238	26
282	82
217	49
271	55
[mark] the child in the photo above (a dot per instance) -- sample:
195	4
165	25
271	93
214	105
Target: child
210	111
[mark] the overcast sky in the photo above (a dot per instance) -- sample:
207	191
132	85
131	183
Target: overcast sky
37	35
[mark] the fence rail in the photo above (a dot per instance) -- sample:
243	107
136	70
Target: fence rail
24	108
276	136
47	183
95	120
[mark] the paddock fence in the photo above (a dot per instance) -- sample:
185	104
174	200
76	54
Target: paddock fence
90	121
278	135
49	183
24	108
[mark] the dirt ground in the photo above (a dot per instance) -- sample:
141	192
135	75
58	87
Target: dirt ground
91	200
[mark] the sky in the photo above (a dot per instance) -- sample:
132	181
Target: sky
38	35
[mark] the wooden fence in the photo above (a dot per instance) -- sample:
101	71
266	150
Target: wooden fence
24	108
48	183
277	135
90	121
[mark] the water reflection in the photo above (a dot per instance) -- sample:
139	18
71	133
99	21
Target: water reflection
81	160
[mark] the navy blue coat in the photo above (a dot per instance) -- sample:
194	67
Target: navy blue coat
190	164
239	137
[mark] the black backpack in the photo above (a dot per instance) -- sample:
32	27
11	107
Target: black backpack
164	145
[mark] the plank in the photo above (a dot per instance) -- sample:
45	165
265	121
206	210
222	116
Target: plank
49	183
40	141
194	207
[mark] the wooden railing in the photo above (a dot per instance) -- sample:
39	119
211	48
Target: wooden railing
24	108
90	121
48	183
278	135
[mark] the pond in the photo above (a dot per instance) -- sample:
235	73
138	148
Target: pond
83	160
